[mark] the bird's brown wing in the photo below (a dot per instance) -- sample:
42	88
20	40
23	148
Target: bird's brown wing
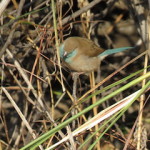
89	48
84	46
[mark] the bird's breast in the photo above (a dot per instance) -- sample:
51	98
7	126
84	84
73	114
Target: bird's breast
84	63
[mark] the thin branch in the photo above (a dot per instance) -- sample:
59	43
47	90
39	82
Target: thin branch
10	37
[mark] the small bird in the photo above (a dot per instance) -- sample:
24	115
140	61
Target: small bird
83	55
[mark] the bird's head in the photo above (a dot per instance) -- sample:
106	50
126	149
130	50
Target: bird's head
68	49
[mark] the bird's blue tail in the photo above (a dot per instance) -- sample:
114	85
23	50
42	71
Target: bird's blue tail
115	50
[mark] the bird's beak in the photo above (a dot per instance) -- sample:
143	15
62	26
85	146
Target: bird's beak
65	54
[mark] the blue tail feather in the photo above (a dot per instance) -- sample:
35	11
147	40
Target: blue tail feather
115	50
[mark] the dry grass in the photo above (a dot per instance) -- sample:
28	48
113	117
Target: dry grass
36	89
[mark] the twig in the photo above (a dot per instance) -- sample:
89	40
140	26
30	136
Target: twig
19	112
3	5
10	37
57	43
134	126
79	12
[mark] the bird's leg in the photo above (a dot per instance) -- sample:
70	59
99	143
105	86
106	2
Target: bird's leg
98	79
74	111
75	76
